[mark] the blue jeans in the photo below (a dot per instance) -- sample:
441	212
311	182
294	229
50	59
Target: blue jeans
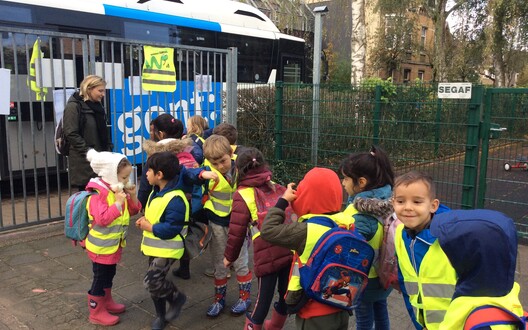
372	315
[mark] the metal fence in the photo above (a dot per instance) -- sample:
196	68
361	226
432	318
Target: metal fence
475	149
503	171
46	67
463	144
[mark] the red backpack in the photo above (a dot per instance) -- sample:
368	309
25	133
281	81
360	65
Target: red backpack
264	200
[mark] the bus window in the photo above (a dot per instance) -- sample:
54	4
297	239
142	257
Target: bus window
12	14
255	56
291	69
145	31
193	37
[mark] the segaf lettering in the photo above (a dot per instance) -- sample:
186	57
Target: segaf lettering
454	89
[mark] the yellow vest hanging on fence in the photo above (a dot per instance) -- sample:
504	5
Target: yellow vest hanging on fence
32	77
159	73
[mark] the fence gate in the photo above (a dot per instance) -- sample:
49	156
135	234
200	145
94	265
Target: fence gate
503	170
200	77
46	67
40	67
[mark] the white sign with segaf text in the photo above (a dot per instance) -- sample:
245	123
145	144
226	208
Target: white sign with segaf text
454	90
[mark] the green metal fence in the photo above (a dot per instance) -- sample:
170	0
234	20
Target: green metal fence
503	177
444	137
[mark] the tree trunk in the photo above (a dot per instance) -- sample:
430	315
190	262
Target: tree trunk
358	41
439	59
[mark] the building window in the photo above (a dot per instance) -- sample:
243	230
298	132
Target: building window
421	74
406	75
390	28
423	37
391	74
422	58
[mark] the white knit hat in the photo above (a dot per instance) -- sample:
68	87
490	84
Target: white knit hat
104	164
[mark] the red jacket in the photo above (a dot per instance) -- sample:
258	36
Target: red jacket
267	258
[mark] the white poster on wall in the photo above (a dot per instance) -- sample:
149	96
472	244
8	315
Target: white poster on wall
63	73
135	82
112	74
5	89
60	98
203	83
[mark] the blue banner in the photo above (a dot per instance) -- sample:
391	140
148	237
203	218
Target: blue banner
131	121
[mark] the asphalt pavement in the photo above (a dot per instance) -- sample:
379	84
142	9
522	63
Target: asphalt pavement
44	280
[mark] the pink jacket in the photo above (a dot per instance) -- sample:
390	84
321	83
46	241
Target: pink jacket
104	214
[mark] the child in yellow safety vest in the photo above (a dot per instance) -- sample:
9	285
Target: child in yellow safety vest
318	195
482	247
109	211
230	132
217	206
271	263
164	229
427	278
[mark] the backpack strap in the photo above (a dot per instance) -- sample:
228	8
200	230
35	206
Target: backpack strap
493	315
80	116
197	140
323	221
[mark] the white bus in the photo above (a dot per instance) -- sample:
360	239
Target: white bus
265	55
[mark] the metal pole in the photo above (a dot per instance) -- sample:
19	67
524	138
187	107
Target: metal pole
279	95
318	11
231	85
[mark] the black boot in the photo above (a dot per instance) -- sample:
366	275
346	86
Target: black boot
184	271
175	306
159	322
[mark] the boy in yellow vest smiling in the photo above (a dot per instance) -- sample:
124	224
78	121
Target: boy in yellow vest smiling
426	276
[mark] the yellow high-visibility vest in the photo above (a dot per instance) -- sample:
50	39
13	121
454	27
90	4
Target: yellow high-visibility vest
163	248
248	195
107	239
159	73
431	290
460	308
32	77
220	194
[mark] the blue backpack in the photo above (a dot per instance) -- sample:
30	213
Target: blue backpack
336	272
76	216
486	316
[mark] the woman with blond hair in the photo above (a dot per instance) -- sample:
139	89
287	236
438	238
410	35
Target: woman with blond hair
84	125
